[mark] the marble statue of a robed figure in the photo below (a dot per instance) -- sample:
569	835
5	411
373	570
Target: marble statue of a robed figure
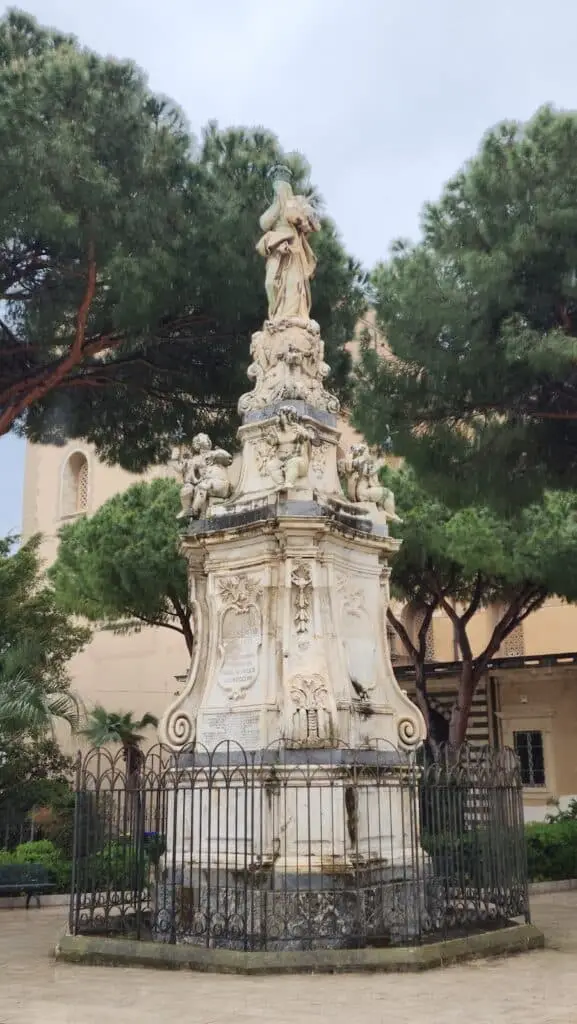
290	260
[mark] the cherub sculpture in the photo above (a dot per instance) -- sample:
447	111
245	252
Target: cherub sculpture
361	472
204	473
291	440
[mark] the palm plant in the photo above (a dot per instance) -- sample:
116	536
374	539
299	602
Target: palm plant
27	705
104	727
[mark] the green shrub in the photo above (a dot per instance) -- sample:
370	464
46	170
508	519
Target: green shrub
118	867
552	849
86	811
44	852
471	858
38	851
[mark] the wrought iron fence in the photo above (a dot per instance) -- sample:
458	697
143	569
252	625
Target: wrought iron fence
293	849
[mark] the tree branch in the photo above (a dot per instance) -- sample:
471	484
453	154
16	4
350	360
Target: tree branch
159	623
402	634
183	615
475	600
74	356
536	602
425	626
526	602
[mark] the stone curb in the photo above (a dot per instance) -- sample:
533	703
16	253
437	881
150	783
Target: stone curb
543	888
86	949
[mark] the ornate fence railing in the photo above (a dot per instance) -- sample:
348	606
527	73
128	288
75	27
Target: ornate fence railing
292	849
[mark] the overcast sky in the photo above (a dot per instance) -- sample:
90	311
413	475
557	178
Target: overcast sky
386	98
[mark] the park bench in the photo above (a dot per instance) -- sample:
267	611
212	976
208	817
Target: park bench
30	880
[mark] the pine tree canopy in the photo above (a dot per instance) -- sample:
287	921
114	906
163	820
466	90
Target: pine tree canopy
481	320
459	560
462	548
122	567
128	272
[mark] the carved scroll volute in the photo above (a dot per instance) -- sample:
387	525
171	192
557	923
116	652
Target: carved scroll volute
177	727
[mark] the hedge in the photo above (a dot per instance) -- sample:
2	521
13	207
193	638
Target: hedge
42	851
552	850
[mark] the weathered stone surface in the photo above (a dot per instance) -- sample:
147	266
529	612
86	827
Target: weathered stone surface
124	952
289	625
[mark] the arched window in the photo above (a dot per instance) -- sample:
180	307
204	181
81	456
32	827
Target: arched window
74	498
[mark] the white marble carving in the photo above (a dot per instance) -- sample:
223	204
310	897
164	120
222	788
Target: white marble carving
288	364
204	473
311	720
361	472
291	442
302	584
289	585
358	634
240	635
290	631
290	261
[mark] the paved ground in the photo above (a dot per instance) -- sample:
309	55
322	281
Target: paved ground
535	988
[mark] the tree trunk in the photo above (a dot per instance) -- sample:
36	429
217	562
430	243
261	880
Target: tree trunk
188	635
461	709
184	616
16	399
523	604
437	726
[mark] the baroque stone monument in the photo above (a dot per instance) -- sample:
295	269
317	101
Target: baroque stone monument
289	586
289	572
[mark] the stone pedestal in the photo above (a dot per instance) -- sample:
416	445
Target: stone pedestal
289	591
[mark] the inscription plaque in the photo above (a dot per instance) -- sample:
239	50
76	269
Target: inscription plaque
237	726
241	638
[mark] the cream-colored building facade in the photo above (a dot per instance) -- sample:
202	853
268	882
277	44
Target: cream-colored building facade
528	699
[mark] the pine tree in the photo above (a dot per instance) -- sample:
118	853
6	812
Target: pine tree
481	318
122	567
460	561
127	256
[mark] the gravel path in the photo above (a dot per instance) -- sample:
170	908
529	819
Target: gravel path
535	988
